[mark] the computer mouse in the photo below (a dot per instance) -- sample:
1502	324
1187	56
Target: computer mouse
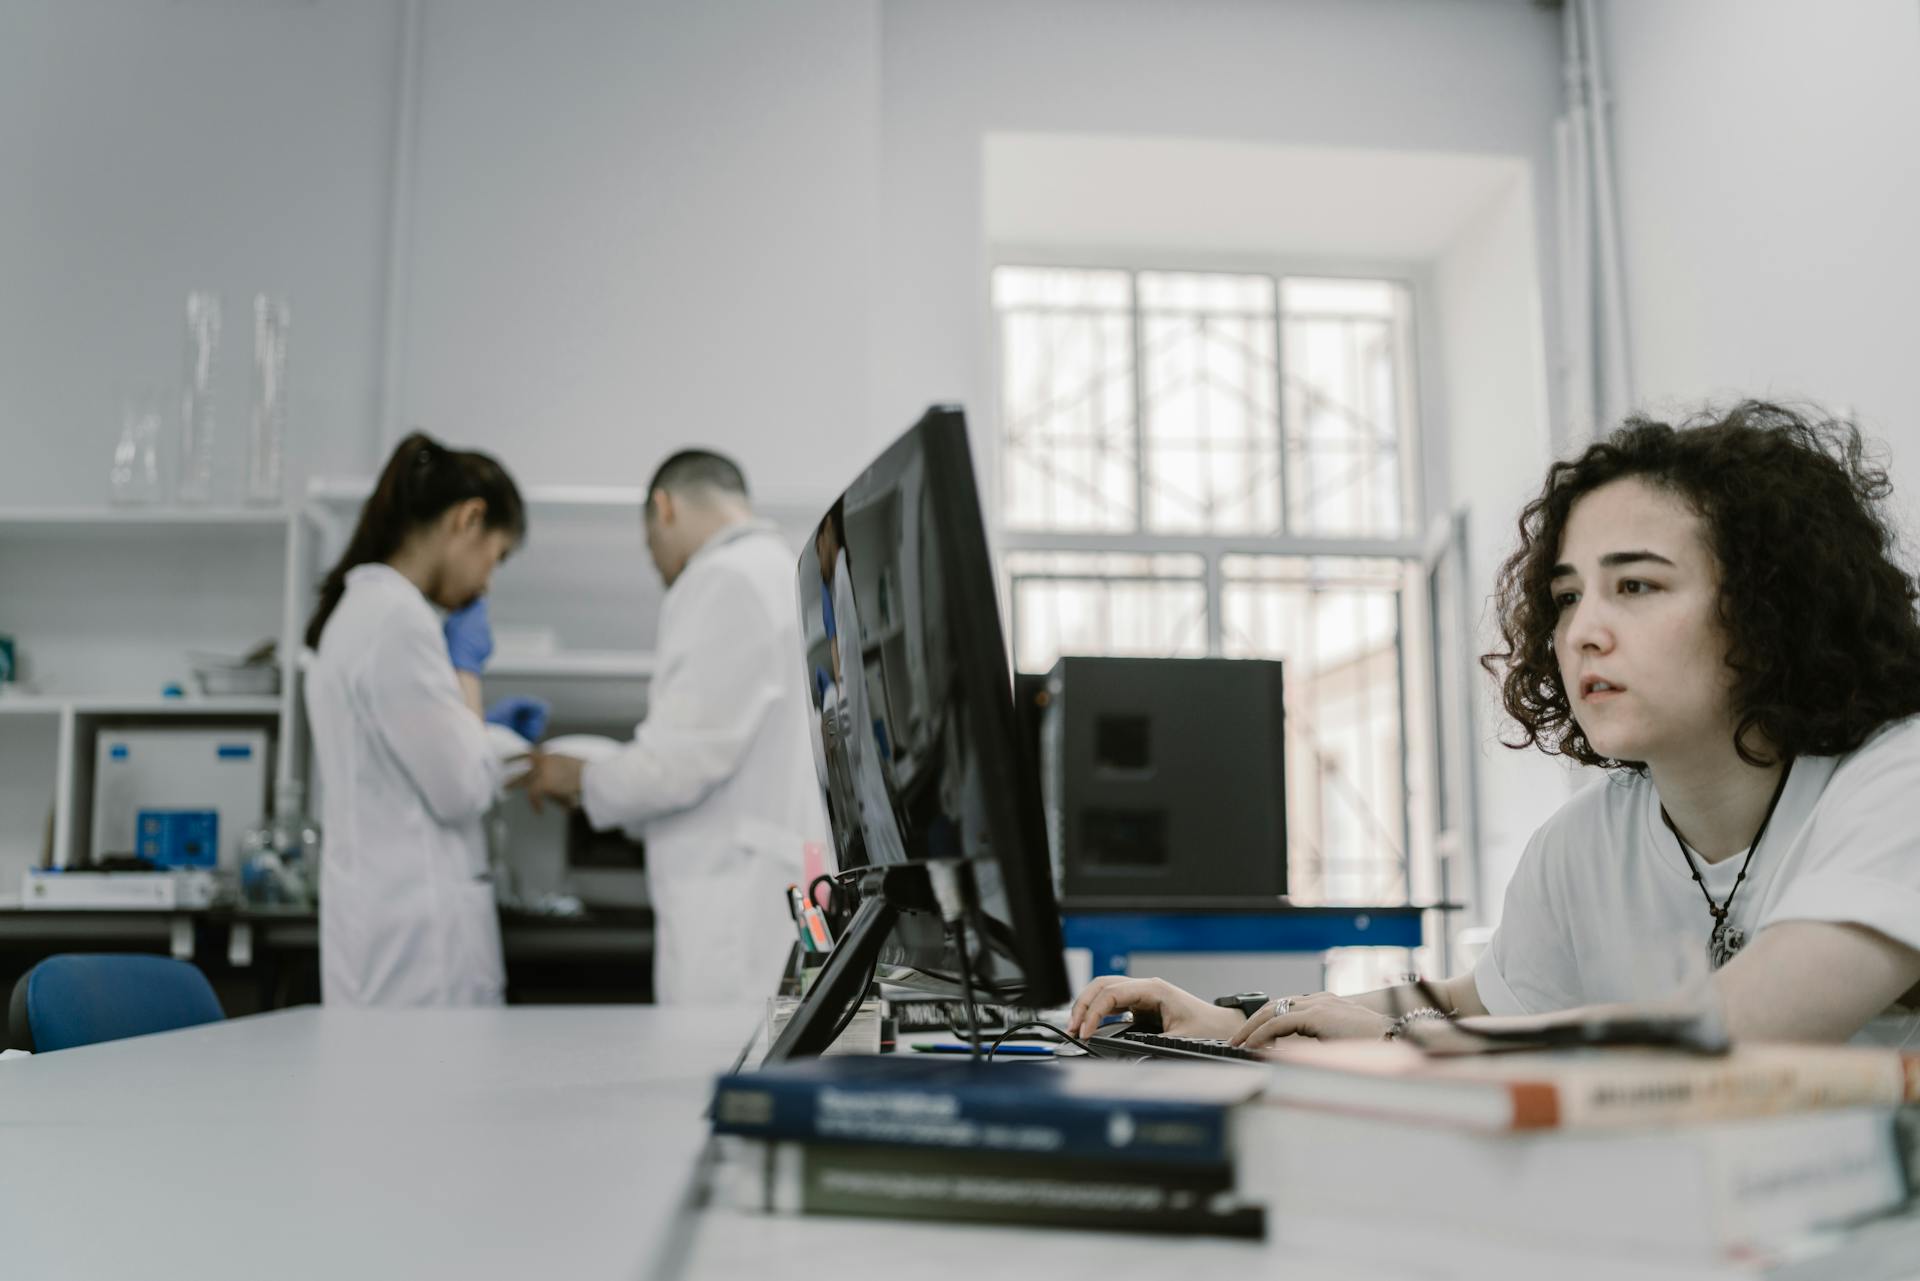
1139	1021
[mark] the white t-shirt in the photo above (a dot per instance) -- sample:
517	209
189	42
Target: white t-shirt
1602	907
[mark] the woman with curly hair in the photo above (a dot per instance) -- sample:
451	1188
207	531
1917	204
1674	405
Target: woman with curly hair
1713	614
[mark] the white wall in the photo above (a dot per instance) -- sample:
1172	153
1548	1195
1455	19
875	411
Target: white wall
1487	296
1089	194
150	149
1445	75
640	226
1769	162
633	226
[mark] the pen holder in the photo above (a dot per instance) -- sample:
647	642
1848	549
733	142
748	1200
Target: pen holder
811	964
860	1036
802	968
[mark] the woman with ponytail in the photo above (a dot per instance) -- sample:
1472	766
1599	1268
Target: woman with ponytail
407	914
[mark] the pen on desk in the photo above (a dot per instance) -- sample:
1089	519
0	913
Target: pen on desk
959	1047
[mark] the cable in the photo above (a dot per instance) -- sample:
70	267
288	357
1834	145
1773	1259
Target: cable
1060	1032
966	988
951	881
846	1016
953	1030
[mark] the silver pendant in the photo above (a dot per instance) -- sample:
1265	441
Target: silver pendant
1725	941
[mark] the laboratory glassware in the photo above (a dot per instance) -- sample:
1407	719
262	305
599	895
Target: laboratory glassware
135	476
267	434
196	399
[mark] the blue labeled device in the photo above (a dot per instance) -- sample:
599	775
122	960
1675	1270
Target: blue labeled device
178	838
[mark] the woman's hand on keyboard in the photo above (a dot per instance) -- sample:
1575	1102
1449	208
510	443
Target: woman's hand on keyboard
1181	1013
1320	1015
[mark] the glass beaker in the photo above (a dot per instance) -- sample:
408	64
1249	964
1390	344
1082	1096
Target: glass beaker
196	398
281	853
267	434
134	478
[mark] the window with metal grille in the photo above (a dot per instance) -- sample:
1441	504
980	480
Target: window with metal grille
1203	462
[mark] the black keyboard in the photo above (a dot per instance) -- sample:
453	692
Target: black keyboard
1158	1045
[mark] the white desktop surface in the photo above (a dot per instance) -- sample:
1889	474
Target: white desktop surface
517	1143
472	1144
552	1144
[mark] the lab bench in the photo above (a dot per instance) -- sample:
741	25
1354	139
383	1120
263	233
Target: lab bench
267	958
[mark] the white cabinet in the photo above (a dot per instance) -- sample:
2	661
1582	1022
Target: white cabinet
105	606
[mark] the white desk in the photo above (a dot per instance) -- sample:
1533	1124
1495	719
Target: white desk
473	1144
526	1143
535	1142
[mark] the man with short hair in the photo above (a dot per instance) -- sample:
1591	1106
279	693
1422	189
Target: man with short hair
719	779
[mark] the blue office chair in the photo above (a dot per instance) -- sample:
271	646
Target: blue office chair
79	999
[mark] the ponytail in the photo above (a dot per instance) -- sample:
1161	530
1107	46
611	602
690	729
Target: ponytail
420	482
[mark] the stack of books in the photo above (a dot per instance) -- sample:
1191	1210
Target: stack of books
1772	1161
1069	1143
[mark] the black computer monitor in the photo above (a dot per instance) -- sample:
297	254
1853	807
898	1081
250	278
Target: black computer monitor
931	792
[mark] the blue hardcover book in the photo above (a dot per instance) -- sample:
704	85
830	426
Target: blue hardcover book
1143	1112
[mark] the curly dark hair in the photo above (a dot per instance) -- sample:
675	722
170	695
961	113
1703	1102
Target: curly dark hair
1823	641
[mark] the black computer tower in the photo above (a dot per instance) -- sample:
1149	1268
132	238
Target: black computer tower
1164	780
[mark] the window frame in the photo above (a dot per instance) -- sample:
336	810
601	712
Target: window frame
1426	493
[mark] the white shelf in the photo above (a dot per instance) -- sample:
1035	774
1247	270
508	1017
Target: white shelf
251	705
55	520
774	505
100	705
579	664
352	491
31	705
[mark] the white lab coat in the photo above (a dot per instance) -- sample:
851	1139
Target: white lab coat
407	912
718	780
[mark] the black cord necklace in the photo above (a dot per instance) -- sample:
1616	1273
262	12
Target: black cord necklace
1727	938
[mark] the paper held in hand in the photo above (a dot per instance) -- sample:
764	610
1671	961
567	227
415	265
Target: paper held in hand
1577	1089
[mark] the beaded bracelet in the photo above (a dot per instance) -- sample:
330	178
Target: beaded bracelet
1399	1025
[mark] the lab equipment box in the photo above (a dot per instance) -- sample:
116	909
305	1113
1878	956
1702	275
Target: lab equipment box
47	889
178	796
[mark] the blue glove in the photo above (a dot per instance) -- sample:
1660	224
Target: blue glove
469	637
525	716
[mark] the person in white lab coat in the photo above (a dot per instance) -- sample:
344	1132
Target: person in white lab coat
718	780
407	915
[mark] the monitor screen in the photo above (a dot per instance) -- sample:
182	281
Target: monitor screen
914	732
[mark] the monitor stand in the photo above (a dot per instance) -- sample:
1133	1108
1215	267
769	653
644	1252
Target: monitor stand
884	893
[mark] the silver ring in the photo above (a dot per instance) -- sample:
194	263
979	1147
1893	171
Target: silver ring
1281	1004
